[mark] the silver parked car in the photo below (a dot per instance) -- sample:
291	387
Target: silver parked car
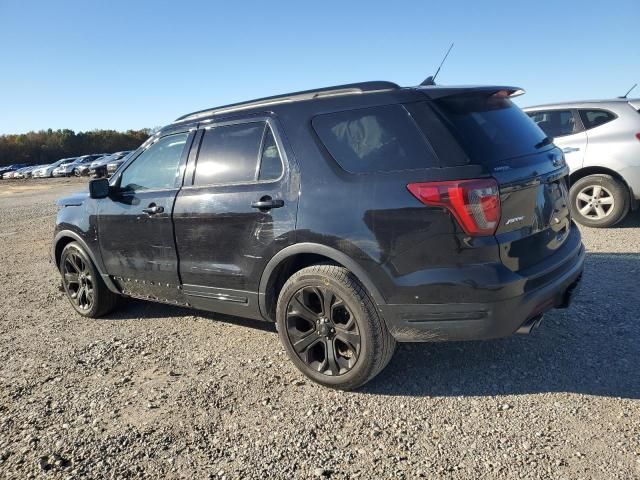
47	170
601	143
16	173
69	169
27	172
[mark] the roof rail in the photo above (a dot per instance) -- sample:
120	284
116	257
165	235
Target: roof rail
349	89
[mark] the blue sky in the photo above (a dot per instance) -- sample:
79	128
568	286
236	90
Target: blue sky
133	64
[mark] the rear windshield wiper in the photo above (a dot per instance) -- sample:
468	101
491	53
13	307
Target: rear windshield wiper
544	142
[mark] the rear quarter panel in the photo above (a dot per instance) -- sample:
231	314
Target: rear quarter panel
615	146
377	222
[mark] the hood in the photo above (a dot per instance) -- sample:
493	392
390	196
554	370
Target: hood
73	200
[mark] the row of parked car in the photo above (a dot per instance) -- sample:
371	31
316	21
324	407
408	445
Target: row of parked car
94	165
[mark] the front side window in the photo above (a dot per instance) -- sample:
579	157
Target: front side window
595	118
555	123
376	139
157	167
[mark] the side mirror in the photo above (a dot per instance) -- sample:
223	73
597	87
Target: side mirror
99	188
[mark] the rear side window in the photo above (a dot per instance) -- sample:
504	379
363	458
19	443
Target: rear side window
239	153
270	162
376	139
229	154
555	123
595	118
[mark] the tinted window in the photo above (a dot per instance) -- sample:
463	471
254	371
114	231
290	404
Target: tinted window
374	139
490	128
270	163
229	154
440	137
595	118
555	123
157	167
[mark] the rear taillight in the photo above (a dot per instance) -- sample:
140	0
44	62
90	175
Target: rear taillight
638	135
475	204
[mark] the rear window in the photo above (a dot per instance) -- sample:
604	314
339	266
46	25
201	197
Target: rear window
490	128
376	139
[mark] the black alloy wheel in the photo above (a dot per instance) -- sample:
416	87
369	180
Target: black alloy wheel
323	330
78	281
330	327
83	284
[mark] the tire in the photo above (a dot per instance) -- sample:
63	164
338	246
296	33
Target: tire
354	330
599	201
78	272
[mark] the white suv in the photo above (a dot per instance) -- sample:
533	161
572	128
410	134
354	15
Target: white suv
601	143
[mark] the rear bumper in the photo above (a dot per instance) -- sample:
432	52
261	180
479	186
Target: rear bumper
479	321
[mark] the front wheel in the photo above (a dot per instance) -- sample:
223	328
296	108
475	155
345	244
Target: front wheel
599	201
331	329
83	284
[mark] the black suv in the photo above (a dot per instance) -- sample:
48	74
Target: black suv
353	217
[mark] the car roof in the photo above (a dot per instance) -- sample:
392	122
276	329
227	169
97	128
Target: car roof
352	89
346	89
585	103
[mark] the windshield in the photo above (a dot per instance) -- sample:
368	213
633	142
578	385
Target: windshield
491	128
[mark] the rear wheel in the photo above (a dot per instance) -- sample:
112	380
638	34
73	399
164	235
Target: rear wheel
331	329
83	284
599	201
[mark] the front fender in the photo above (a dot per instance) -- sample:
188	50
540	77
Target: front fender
64	236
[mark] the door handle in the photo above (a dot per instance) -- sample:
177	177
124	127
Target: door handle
153	209
267	203
570	149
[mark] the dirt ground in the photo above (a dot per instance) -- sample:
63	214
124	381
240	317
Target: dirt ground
155	391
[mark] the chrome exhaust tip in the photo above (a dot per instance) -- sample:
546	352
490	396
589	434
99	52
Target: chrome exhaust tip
529	325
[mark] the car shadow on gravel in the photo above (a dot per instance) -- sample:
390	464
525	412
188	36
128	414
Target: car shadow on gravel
592	348
632	220
145	311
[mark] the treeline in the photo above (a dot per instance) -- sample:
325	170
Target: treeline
47	146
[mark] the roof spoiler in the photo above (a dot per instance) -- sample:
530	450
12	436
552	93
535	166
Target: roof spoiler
435	92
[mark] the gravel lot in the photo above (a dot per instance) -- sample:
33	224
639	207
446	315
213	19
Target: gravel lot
160	391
